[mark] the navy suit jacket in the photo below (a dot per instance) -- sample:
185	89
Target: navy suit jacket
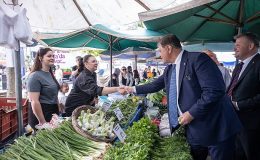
202	93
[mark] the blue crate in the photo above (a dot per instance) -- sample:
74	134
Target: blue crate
137	116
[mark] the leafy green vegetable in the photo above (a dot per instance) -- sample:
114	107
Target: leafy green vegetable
138	143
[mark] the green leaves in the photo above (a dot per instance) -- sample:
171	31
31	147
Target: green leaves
138	144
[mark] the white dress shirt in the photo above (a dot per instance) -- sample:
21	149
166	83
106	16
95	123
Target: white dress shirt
178	65
246	62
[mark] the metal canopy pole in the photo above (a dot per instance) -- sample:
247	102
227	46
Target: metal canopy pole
18	85
18	90
111	58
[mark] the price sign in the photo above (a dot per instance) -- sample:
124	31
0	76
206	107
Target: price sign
119	132
118	113
106	106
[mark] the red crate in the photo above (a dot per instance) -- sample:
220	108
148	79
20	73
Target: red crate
8	116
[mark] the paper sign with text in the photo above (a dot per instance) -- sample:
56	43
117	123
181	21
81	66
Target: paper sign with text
119	132
118	113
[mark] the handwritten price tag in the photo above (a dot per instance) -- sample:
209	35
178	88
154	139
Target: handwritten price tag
118	113
119	132
106	106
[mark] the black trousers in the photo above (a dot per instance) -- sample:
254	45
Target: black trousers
47	109
221	151
248	145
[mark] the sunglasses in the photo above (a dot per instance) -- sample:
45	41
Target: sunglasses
123	69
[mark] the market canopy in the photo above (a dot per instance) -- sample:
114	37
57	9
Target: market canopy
216	47
206	20
134	53
98	36
60	16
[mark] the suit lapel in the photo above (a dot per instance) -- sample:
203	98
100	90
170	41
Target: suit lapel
182	67
248	68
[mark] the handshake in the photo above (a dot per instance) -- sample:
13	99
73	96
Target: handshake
125	90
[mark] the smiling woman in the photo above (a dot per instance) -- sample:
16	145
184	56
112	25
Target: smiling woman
85	90
42	89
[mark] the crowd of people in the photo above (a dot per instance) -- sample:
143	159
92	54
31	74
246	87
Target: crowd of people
220	113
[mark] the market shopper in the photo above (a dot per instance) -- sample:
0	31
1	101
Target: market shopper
42	89
136	77
85	87
64	88
244	91
197	100
59	74
224	71
123	77
130	77
77	68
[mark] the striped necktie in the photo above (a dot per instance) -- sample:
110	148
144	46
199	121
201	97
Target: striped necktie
235	77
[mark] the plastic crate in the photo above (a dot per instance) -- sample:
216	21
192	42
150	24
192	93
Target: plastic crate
8	116
137	116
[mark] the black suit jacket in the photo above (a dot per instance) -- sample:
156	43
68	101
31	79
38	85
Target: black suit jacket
247	95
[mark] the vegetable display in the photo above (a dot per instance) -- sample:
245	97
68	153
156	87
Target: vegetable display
127	107
96	124
172	148
156	97
62	143
138	143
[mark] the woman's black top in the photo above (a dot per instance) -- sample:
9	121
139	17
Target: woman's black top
84	91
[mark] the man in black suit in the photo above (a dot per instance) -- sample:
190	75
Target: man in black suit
244	91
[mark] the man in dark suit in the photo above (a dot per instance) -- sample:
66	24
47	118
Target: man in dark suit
197	99
244	91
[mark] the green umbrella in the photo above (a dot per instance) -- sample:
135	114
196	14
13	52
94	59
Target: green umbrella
98	36
103	37
206	20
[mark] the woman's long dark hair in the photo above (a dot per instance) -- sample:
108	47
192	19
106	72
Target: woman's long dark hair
37	66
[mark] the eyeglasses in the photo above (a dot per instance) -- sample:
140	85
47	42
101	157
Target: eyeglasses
124	69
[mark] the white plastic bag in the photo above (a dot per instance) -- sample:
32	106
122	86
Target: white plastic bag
164	127
22	28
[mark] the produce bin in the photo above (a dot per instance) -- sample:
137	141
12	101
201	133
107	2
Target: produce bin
137	116
8	116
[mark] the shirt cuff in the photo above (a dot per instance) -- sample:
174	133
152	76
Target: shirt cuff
236	106
134	89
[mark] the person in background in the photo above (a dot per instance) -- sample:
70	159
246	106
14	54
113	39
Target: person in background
85	89
145	74
130	77
58	74
149	72
64	88
42	89
77	68
154	73
114	81
197	100
244	92
136	77
123	77
224	71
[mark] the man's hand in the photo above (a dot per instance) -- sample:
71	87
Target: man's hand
122	90
129	90
185	118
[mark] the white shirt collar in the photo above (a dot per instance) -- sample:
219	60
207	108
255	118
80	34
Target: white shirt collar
248	59
178	59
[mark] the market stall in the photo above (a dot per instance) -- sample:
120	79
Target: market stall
114	129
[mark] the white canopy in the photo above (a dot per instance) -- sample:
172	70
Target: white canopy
56	16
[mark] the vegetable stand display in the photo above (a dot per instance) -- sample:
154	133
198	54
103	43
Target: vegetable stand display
94	127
